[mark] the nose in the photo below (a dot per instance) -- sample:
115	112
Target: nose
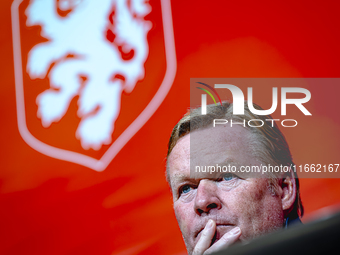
206	197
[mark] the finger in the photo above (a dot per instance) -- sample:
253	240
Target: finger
206	238
226	240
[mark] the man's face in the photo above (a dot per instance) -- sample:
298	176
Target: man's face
231	201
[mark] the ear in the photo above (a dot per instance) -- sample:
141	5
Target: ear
288	192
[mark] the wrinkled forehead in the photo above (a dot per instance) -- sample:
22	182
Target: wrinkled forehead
218	145
222	145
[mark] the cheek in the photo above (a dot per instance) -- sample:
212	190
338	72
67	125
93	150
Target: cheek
183	217
247	205
249	199
258	210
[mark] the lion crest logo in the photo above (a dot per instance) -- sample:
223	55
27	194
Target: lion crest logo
101	65
93	52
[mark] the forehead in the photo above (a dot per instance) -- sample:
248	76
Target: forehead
209	146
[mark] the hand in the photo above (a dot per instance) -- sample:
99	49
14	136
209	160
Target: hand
202	246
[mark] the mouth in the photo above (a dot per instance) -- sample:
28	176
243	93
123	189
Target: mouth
221	229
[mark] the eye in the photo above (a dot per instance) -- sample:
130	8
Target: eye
184	189
228	177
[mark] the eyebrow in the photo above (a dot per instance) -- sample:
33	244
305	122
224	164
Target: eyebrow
227	162
180	177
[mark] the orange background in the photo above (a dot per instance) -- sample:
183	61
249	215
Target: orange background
50	206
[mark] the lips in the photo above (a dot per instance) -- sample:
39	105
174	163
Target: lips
221	229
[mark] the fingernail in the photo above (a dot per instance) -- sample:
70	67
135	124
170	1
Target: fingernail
210	224
235	231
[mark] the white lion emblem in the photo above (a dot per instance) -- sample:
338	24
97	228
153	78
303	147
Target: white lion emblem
82	61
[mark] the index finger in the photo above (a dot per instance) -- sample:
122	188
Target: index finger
206	237
226	240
